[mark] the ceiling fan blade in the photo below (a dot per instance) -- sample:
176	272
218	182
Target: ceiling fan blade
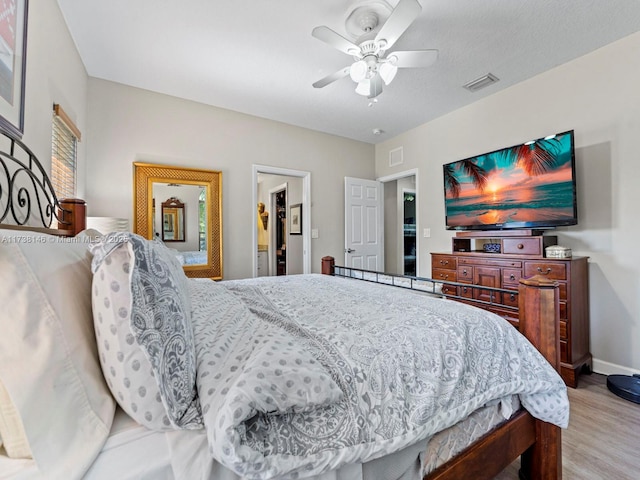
413	58
323	82
402	16
335	40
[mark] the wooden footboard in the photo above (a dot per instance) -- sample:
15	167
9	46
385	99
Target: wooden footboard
537	443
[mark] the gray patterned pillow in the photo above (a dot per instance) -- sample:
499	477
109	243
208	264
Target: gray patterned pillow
142	318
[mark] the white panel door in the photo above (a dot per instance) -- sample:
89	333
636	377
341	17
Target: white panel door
364	224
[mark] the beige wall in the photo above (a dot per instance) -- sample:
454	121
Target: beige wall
55	74
597	96
128	124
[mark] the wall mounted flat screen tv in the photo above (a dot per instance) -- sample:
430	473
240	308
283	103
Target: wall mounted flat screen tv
531	185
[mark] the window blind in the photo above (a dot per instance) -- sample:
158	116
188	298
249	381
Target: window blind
64	140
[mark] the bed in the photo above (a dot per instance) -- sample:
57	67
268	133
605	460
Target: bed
192	258
114	365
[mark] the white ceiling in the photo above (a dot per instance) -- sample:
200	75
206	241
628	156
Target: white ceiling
259	58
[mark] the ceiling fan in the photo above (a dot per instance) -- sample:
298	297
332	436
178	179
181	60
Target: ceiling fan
373	65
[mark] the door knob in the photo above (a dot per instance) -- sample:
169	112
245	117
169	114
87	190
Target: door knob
349	250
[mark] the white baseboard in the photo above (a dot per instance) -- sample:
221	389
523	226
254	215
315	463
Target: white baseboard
606	368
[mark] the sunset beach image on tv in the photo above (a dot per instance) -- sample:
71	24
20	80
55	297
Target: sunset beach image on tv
527	185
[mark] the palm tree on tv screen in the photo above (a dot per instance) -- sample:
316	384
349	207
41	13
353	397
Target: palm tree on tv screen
535	158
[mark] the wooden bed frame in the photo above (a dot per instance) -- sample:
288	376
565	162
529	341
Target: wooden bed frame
536	442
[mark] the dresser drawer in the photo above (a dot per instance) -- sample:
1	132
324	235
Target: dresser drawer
465	273
521	246
444	261
552	270
511	276
466	292
510	299
563	329
564	351
449	289
563	291
442	274
489	262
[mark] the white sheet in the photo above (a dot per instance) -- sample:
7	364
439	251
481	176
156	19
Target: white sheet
132	452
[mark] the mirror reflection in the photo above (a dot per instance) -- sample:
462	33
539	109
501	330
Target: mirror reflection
182	208
172	220
182	220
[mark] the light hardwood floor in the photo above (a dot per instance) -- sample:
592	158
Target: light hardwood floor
603	438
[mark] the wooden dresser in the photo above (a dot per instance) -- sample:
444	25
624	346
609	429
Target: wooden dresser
521	257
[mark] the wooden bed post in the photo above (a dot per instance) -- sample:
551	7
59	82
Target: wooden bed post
72	215
327	265
540	323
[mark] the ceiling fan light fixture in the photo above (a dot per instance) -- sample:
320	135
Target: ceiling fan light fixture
358	71
388	72
364	87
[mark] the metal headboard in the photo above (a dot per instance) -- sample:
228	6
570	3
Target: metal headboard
26	193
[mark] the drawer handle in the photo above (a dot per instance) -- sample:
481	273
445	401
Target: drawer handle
512	277
547	272
520	246
444	262
464	289
464	272
513	297
442	275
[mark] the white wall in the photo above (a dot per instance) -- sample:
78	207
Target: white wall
55	74
597	96
128	124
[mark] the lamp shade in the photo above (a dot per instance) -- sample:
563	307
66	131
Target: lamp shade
106	225
388	72
358	71
364	87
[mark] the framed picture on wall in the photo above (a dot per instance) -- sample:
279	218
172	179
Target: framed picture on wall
295	219
13	61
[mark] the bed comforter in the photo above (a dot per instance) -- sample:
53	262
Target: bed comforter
298	375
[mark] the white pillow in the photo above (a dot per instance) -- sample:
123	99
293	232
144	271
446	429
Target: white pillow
142	318
11	429
48	355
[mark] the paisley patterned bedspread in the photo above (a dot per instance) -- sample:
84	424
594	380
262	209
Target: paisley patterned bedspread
298	375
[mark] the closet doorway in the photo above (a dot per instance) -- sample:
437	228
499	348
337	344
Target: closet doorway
278	250
401	243
278	244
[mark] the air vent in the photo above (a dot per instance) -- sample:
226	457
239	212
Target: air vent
480	83
395	157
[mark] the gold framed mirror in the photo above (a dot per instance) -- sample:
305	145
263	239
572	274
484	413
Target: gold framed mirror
198	195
